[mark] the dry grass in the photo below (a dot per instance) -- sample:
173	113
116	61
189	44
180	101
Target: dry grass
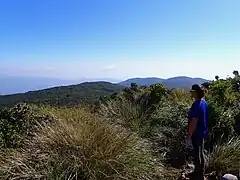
79	145
179	95
128	115
226	157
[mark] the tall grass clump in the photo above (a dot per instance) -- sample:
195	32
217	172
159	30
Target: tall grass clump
128	115
225	158
133	106
79	145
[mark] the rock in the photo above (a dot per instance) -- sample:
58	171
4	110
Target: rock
229	177
183	177
189	168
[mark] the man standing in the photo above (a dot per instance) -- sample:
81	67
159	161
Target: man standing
197	129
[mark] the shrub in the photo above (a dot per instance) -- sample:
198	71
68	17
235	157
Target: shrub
170	128
78	145
18	123
224	109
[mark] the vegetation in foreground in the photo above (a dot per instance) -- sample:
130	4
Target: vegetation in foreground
137	133
78	145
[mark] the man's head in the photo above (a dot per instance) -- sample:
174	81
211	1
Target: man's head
197	92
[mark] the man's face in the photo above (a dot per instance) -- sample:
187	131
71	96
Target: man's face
193	94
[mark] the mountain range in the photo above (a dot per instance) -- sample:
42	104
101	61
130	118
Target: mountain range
13	85
183	82
88	92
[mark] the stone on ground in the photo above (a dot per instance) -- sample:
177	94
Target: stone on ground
229	177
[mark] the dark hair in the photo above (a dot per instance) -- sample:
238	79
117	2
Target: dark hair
199	90
200	93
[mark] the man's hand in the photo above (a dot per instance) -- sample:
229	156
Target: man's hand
189	144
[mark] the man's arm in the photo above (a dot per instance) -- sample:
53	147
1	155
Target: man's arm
194	119
192	126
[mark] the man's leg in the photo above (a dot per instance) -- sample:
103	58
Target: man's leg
199	158
203	157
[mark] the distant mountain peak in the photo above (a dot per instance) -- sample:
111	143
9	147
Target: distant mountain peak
184	82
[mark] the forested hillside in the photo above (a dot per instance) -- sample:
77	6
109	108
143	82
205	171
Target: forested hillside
138	133
72	95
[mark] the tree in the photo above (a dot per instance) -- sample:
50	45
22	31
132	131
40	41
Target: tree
134	86
217	78
206	85
236	73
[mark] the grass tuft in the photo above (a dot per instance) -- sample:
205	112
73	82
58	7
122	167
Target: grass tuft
79	145
226	157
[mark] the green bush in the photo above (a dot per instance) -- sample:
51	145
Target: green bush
224	109
170	128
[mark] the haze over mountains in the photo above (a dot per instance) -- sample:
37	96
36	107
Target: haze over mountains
12	85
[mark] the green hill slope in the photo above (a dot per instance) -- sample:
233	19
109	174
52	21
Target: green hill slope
64	95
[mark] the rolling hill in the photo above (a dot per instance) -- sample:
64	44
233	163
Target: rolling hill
63	95
21	84
183	82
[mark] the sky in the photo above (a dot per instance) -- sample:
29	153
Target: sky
119	39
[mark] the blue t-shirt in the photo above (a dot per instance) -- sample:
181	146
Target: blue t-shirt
199	110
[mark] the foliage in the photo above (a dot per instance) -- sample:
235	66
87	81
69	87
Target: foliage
179	95
170	126
121	135
18	123
78	145
226	157
127	115
224	108
163	120
132	108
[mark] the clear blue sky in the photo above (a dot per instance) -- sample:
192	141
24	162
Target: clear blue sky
119	38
